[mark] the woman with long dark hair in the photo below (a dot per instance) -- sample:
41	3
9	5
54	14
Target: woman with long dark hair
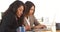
13	17
30	20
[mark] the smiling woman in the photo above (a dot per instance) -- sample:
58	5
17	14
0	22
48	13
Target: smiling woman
13	17
4	4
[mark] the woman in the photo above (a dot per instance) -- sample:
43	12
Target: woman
30	20
13	17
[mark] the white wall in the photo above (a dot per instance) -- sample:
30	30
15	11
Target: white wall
44	8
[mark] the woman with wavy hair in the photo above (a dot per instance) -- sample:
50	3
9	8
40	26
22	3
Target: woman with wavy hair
30	21
13	17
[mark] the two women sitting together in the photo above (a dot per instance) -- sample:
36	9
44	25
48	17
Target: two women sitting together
20	14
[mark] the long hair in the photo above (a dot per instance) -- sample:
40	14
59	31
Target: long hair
28	6
13	9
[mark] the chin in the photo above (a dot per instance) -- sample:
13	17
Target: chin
19	16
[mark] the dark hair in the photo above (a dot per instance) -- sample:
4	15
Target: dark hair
28	6
13	9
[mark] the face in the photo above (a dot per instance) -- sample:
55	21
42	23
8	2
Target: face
20	11
31	10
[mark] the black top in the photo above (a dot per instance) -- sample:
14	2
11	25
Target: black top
9	23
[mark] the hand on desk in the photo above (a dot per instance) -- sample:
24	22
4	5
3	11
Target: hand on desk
40	27
35	27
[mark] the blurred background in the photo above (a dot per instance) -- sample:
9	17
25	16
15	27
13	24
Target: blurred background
46	12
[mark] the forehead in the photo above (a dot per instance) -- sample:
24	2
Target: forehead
21	7
32	7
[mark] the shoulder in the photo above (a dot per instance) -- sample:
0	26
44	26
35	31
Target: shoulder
8	17
32	16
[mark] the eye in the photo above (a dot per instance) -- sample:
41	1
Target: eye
32	9
20	9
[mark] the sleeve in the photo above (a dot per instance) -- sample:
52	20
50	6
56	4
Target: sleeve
36	22
7	23
25	22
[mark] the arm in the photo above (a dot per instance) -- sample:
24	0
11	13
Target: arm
36	22
38	25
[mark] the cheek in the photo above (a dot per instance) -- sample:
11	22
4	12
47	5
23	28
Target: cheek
31	11
18	12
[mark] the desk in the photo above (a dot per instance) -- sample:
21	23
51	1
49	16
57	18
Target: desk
46	31
41	31
57	30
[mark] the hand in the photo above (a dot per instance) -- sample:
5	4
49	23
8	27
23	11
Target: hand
28	27
40	27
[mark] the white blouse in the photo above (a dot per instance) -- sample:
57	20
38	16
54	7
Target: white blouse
27	19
